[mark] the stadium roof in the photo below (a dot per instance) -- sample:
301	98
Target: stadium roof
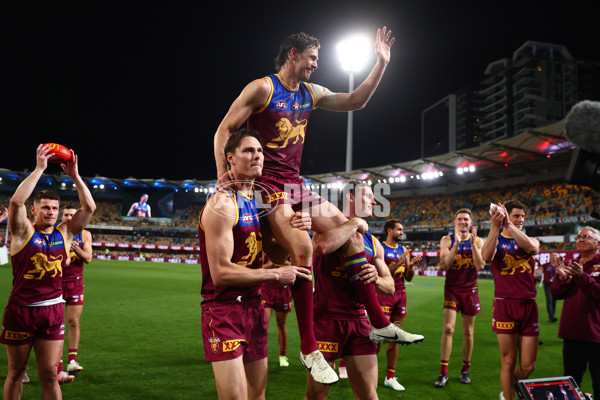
537	151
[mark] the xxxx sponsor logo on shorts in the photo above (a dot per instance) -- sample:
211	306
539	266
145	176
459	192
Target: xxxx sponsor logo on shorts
449	303
328	347
231	345
385	308
505	325
11	335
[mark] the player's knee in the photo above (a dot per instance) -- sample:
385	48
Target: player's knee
449	329
47	374
16	372
528	369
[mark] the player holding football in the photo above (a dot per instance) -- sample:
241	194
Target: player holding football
34	316
515	313
278	107
341	326
234	331
80	254
460	257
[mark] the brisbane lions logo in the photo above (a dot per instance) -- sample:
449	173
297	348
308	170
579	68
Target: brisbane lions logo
254	246
41	266
288	132
513	264
461	262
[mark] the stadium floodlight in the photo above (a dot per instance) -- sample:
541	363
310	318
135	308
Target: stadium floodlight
353	53
402	179
471	168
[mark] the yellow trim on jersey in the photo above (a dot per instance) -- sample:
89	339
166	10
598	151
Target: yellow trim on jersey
391	246
285	84
24	244
506	236
468	238
311	94
263	108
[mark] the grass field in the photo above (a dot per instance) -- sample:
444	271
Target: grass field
141	340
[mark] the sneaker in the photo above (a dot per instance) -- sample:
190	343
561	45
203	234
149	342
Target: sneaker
64	377
25	378
441	381
319	369
74	366
393	383
464	377
502	396
343	373
283	361
393	334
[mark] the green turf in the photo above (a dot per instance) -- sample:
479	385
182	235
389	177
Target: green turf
140	339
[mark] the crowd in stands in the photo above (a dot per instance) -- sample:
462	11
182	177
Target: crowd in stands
548	200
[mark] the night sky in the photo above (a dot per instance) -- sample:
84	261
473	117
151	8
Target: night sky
138	89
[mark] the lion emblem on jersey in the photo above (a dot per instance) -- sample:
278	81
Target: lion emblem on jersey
254	246
42	265
461	262
288	132
513	264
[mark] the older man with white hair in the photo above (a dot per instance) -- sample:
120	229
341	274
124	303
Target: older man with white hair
578	284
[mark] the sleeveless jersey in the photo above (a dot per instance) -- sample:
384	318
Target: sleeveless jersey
141	210
392	257
75	269
462	273
38	268
247	251
512	269
334	297
282	127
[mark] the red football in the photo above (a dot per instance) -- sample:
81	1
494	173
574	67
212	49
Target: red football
59	153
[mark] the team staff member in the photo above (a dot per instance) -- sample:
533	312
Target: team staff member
234	331
34	315
341	325
515	313
278	107
80	254
400	264
460	257
579	285
277	298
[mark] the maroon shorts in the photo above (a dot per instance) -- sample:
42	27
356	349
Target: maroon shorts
393	305
276	191
515	317
234	329
465	301
21	325
73	292
338	338
277	297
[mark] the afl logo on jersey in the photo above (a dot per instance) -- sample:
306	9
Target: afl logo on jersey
247	218
39	242
282	105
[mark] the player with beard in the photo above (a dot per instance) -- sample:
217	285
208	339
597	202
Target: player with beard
460	257
515	314
397	257
278	107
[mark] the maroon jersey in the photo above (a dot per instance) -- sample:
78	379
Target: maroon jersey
282	127
393	256
580	318
334	297
462	273
247	251
512	269
75	268
38	268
